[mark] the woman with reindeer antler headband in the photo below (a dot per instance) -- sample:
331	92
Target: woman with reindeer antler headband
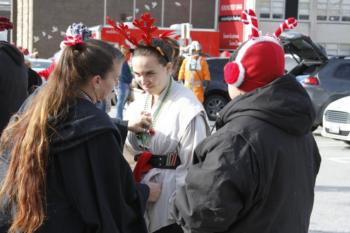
179	123
257	172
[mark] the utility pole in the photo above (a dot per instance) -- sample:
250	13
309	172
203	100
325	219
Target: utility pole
104	11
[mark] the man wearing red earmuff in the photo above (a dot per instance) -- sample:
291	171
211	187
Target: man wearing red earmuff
257	172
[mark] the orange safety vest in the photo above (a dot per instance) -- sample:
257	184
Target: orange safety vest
194	70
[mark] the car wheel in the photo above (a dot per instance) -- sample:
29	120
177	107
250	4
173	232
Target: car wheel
213	104
347	142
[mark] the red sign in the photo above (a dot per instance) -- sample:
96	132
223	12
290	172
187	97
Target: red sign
230	26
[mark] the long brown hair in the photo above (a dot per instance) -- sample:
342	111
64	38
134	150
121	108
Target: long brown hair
26	137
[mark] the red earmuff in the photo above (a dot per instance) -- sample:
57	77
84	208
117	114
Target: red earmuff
234	73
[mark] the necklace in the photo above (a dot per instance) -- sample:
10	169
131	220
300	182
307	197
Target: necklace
145	138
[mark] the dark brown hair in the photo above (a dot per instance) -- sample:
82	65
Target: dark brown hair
162	49
26	138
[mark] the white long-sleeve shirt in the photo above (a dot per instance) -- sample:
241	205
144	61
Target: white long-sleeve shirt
180	126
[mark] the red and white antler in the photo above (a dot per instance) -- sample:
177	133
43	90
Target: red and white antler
249	17
290	23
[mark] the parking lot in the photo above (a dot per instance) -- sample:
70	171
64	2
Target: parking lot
332	193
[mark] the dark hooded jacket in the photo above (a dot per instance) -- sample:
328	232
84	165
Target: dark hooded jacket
13	82
257	173
90	186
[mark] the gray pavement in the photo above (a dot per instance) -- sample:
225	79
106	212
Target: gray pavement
332	193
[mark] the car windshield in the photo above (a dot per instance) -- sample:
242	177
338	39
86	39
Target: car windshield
40	64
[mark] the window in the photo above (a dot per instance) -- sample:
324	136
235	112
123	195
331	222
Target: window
322	10
200	13
176	12
304	10
154	7
333	10
345	11
271	9
203	13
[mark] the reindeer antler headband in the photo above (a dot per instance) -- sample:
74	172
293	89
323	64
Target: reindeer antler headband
147	27
145	24
249	18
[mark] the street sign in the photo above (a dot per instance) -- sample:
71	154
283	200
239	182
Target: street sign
230	27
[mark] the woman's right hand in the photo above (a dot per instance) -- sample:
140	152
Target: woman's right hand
140	124
154	191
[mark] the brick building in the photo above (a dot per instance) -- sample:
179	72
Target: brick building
41	23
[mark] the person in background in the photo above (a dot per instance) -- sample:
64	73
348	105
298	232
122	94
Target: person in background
123	88
13	77
74	177
34	79
257	172
194	71
225	54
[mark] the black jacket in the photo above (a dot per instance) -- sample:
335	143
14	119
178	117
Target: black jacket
13	82
257	173
90	186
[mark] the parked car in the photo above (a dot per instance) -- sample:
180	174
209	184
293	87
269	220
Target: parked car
336	120
39	64
216	94
325	79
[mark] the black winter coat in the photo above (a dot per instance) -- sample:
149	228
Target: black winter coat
13	82
257	173
90	186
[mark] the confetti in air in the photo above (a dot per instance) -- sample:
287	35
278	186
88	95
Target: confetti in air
154	4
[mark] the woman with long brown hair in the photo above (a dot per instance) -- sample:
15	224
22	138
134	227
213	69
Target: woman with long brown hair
66	171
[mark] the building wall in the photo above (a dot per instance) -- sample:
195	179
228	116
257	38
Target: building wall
51	19
5	10
41	24
326	21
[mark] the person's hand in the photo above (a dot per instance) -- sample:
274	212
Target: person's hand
154	191
141	124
